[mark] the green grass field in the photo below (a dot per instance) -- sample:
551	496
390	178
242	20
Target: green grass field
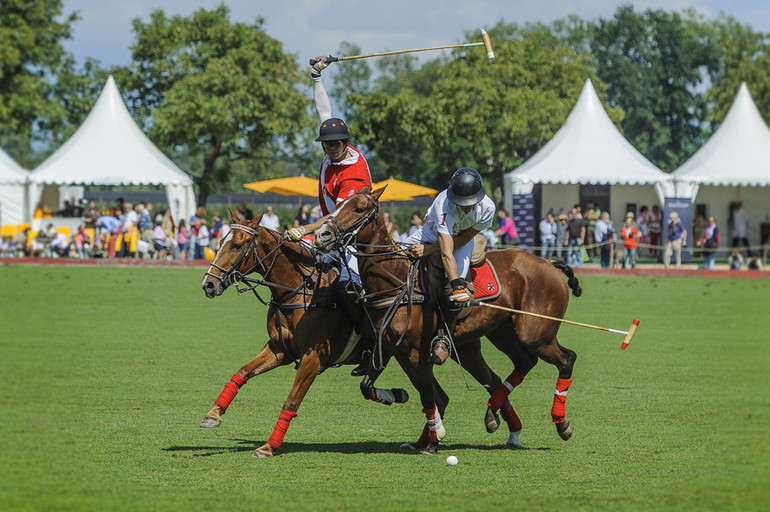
105	374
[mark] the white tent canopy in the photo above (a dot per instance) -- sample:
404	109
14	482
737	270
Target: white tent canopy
110	149
588	149
738	154
13	180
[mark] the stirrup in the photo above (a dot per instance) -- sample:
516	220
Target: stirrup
440	349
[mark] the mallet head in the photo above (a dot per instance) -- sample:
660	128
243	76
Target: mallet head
630	334
487	44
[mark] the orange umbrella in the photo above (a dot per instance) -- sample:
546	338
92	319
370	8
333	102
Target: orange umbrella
402	190
293	186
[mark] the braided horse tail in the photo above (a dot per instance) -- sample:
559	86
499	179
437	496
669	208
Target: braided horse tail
572	281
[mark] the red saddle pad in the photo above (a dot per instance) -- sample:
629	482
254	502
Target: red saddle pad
485	283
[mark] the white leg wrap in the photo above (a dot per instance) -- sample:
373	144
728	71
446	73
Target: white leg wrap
436	426
513	440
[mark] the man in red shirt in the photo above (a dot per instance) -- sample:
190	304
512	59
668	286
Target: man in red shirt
344	171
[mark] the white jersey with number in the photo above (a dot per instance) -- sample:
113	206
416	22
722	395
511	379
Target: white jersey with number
449	219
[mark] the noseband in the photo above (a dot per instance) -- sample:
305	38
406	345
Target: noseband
345	236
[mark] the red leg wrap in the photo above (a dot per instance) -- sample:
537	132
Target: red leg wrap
276	439
500	395
559	398
510	417
422	442
435	426
231	389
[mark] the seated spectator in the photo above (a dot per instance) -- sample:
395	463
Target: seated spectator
315	214
66	211
60	245
754	262
270	220
415	221
82	242
735	260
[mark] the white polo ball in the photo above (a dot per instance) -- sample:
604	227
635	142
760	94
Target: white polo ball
451	460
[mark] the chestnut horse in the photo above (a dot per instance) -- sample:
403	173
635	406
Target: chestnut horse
303	322
528	283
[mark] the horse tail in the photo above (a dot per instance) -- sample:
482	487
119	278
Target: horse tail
572	281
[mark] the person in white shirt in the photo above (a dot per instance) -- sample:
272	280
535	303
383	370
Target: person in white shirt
548	231
270	220
453	220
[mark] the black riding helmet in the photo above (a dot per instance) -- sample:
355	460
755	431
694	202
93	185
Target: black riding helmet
333	129
466	188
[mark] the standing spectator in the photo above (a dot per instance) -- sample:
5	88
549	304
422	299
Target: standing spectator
90	215
192	232
270	220
303	216
548	232
740	225
574	239
506	229
561	233
315	214
710	241
656	228
698	224
415	221
204	239
677	238
114	227
244	212
183	242
604	234
216	231
159	242
630	236
591	217
735	260
130	227
643	222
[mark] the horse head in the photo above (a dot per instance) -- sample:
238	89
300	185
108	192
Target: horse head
236	257
353	221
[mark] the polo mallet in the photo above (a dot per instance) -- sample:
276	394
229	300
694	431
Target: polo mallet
486	43
629	333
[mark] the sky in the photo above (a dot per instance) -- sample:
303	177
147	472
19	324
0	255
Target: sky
309	28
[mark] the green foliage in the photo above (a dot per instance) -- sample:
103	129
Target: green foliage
103	384
43	98
465	110
216	91
654	64
744	56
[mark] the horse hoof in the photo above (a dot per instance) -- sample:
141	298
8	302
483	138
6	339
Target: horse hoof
211	422
431	449
491	420
564	429
513	441
263	452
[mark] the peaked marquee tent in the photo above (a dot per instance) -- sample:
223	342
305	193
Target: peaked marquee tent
13	181
734	164
110	149
587	150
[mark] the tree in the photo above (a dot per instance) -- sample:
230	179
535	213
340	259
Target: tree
654	64
42	97
465	110
216	92
744	56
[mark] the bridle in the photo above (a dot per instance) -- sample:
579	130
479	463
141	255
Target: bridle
347	236
233	275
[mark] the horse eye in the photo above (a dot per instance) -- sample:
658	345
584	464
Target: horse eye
237	246
358	209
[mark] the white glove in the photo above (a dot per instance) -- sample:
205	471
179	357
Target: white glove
320	64
296	234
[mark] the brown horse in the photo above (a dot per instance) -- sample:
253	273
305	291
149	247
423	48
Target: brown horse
529	283
303	322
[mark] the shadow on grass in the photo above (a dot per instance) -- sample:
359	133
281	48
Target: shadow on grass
247	445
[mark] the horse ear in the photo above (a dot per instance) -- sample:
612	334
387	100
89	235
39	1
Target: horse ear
377	193
256	220
233	217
